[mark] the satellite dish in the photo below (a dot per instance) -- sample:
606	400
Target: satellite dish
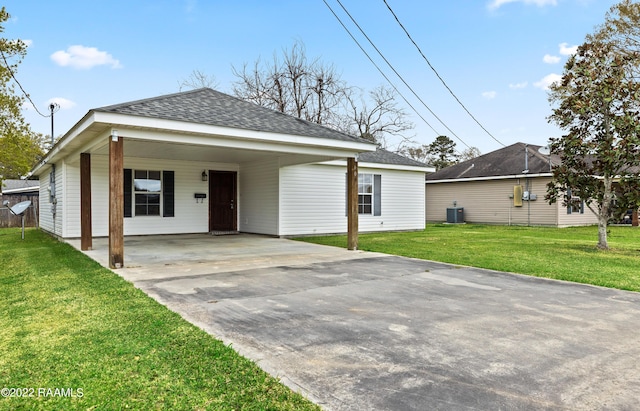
20	208
545	150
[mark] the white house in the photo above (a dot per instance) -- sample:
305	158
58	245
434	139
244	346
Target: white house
203	161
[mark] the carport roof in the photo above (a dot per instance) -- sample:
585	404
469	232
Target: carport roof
211	107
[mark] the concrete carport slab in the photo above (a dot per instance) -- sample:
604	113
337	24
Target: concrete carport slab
356	330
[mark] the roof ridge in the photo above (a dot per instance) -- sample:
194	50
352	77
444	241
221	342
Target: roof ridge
147	99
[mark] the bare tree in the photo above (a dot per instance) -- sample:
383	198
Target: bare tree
294	85
314	91
469	153
197	79
381	120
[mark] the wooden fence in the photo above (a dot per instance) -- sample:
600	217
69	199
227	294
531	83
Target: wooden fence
7	219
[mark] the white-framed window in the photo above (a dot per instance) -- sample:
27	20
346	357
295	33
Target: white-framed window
147	190
369	194
365	193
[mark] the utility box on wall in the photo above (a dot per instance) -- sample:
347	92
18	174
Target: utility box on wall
455	215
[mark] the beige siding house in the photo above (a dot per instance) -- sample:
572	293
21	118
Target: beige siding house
506	186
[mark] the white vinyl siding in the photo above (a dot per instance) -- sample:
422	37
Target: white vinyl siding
313	200
259	197
191	216
45	218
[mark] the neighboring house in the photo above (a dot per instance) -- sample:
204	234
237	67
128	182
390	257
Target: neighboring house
506	186
17	191
203	161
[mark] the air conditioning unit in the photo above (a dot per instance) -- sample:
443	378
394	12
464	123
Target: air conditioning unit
455	215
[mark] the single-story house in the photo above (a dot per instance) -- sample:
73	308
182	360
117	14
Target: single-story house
506	186
202	161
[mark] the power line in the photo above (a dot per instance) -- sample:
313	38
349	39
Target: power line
13	76
396	72
438	75
380	70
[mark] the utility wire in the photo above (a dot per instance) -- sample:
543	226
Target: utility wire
438	75
13	76
396	72
380	70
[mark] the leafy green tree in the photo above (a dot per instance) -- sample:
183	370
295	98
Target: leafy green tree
442	153
597	104
19	147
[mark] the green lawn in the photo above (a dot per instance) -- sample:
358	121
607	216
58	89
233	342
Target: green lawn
562	253
67	323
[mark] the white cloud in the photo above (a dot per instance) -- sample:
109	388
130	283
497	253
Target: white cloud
547	81
62	102
28	43
191	5
549	59
567	50
496	4
81	57
516	86
489	95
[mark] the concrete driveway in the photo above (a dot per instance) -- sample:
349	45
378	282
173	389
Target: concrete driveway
365	331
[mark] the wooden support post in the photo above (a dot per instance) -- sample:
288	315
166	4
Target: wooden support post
116	202
86	236
352	204
634	218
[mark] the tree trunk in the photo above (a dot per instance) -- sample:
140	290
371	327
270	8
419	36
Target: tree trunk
602	233
603	215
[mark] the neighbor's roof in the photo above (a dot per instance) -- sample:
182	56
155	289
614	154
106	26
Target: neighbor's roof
19	186
507	161
211	107
381	156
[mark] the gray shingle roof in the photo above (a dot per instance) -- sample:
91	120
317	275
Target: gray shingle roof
211	107
381	156
19	185
507	161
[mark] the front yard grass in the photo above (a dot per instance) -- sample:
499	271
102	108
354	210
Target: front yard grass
66	323
568	254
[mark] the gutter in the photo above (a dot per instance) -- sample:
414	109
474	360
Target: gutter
459	180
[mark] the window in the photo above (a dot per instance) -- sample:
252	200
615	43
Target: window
575	205
369	194
365	193
147	187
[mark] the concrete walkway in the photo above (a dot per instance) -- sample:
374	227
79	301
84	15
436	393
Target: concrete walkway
355	330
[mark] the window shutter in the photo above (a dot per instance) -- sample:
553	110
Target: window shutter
569	202
346	194
128	196
168	205
377	195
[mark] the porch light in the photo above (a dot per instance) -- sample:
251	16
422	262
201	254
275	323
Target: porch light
204	175
114	135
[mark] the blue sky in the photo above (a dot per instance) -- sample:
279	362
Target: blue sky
494	54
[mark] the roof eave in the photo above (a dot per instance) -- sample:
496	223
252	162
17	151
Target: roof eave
488	178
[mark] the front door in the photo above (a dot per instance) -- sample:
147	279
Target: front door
222	201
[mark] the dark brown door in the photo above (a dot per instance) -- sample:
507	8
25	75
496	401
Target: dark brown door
222	201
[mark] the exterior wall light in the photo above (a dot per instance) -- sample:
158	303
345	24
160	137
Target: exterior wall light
204	175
